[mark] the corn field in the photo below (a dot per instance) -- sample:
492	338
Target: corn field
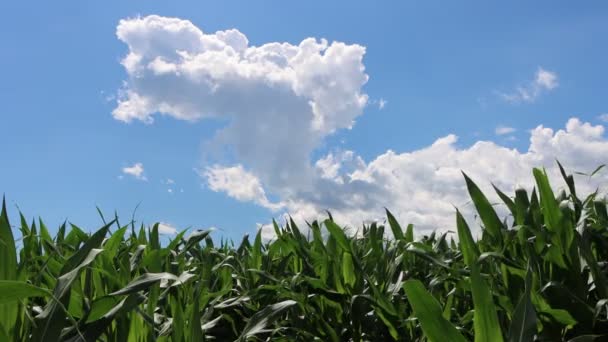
540	275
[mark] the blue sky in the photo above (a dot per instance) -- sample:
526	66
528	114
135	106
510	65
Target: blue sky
441	68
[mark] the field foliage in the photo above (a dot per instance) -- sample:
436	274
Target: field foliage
539	275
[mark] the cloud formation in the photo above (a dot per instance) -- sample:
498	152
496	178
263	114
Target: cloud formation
502	130
136	170
424	186
280	101
237	183
544	81
382	103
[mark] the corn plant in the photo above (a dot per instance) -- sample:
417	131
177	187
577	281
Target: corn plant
539	276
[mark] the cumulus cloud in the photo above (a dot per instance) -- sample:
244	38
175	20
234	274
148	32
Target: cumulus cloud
544	81
209	72
136	170
280	102
423	186
502	130
239	184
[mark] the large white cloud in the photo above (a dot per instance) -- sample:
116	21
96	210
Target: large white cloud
423	186
281	100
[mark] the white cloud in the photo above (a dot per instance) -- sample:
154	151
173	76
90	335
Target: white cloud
239	184
603	117
209	71
502	130
382	103
282	100
544	81
423	186
136	170
166	229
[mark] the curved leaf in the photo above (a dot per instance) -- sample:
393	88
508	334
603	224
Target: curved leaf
258	322
429	314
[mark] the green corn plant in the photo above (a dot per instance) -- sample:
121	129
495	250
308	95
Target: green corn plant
540	275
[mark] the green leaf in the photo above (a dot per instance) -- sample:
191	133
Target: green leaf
100	307
467	244
8	267
113	242
523	322
143	282
508	201
521	205
597	170
256	253
52	319
154	239
409	233
91	243
196	332
13	291
428	311
258	322
92	331
348	269
195	237
395	227
485	321
599	277
486	212
559	315
567	178
549	205
338	233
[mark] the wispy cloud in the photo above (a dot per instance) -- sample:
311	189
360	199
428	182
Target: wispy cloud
544	81
136	171
502	130
603	117
382	103
170	183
